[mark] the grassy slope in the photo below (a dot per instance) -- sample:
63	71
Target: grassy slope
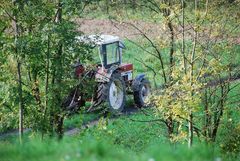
118	139
121	139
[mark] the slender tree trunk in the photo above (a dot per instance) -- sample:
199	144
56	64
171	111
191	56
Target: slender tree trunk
206	113
190	119
183	37
190	130
20	95
219	113
170	126
59	55
21	105
171	60
36	91
166	14
46	87
47	76
52	110
107	5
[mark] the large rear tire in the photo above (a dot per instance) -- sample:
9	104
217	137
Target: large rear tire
99	95
142	92
112	93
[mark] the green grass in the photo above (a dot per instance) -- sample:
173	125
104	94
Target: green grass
133	53
120	139
99	150
120	13
77	120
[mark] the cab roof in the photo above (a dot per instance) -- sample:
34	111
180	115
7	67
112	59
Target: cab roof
98	39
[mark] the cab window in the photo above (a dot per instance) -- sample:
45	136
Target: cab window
112	51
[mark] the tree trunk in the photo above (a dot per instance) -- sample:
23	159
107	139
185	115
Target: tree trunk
218	114
20	95
171	60
21	105
170	126
190	119
206	114
183	36
46	87
190	130
107	5
58	118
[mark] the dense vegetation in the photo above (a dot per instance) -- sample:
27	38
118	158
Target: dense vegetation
190	52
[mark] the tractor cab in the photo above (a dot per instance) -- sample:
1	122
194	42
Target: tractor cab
109	48
111	51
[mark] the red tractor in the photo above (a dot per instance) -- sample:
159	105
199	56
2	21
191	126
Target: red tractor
114	79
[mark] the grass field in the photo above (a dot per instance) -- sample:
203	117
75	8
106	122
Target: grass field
124	138
118	139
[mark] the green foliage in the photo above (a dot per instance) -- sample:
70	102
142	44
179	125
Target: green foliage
45	48
230	141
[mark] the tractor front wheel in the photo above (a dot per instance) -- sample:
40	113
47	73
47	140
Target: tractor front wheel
116	93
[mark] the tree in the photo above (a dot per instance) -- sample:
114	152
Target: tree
193	62
194	72
45	46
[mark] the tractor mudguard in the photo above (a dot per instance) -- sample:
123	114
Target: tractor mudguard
137	81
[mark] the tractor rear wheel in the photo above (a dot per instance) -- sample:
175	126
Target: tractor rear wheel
99	95
113	93
141	94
